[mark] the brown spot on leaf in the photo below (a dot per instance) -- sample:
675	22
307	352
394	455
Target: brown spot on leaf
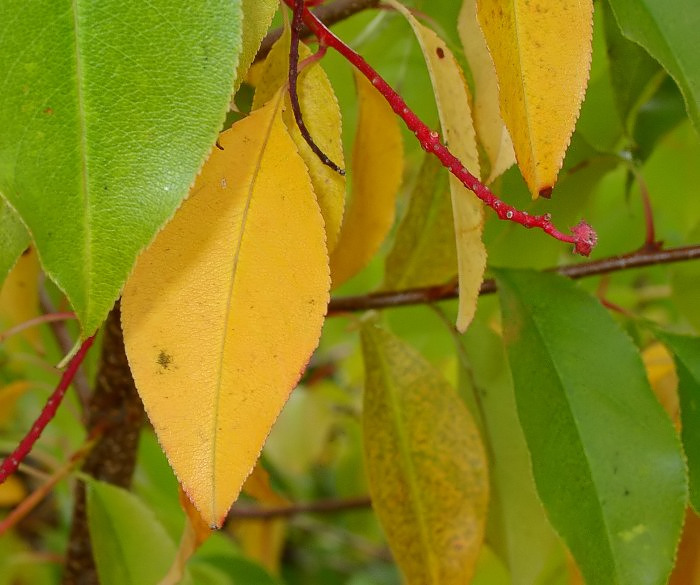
164	360
440	53
546	192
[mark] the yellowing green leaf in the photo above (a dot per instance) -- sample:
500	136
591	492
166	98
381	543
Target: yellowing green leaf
321	114
257	16
542	54
490	128
424	251
224	309
19	298
454	107
377	167
425	463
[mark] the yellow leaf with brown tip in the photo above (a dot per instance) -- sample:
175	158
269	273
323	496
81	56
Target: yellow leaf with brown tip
490	128
225	308
542	53
454	108
425	462
321	115
377	169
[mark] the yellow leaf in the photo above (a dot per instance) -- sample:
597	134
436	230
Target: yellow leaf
321	114
12	492
224	309
19	299
490	128
661	372
9	395
542	55
377	168
425	463
454	107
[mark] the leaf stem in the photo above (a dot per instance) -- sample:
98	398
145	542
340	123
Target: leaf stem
12	461
583	237
431	294
321	506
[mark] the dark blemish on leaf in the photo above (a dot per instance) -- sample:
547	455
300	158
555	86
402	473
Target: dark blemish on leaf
440	53
48	111
546	192
218	145
627	492
164	360
26	251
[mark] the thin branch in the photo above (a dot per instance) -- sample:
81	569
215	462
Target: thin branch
45	318
12	461
329	13
431	294
582	236
320	507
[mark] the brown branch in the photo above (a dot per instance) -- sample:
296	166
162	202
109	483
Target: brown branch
116	410
320	507
328	13
431	294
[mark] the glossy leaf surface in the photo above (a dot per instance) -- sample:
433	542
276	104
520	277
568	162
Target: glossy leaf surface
542	55
606	460
668	30
377	168
108	113
225	308
425	462
454	109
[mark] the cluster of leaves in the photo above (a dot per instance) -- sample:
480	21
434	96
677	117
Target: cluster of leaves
528	450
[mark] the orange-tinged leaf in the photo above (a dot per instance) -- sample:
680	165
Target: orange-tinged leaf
425	463
9	395
542	54
687	569
224	309
489	125
454	108
19	298
377	168
321	114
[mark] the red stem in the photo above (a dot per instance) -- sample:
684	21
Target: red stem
12	461
583	237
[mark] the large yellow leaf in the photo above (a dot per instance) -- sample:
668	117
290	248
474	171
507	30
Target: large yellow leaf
542	53
425	463
19	299
321	114
454	107
490	128
377	168
224	309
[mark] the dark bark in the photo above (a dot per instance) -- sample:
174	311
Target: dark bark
115	412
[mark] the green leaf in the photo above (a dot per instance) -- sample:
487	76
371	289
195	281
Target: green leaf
13	239
518	528
257	16
686	355
108	110
606	460
425	463
129	545
668	30
634	74
424	251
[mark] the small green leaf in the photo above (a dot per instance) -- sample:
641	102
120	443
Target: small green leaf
13	239
668	30
606	460
257	16
424	251
686	355
425	463
108	110
129	545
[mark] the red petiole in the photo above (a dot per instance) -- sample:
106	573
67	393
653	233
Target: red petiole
583	237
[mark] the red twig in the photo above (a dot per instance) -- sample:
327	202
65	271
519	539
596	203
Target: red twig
12	461
297	24
583	237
